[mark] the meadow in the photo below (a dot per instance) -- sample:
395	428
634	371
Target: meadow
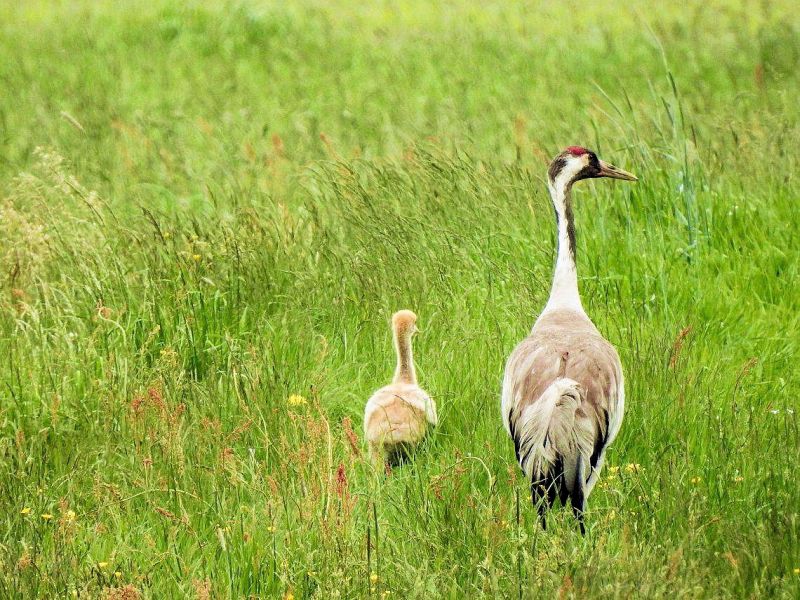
210	210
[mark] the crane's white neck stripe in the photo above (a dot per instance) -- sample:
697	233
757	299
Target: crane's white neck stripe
564	293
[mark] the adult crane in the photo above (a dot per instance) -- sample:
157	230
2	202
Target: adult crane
563	392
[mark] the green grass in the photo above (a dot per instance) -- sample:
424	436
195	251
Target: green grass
206	210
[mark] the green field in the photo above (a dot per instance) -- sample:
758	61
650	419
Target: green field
208	208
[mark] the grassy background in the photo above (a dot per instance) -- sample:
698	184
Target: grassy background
208	209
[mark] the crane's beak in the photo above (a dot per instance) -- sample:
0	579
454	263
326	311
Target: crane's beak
607	170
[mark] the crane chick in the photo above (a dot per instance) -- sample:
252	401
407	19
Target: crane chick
397	416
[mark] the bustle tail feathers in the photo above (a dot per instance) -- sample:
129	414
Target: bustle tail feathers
549	442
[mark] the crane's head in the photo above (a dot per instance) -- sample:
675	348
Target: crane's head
576	163
404	323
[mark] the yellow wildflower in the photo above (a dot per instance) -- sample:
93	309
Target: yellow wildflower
102	565
117	574
288	596
196	257
796	571
296	400
385	594
25	511
613	470
738	479
70	516
373	578
634	468
47	516
271	529
696	480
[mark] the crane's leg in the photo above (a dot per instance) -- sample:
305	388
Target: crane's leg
578	494
577	510
542	496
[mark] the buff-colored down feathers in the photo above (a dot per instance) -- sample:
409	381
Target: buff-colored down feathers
398	415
